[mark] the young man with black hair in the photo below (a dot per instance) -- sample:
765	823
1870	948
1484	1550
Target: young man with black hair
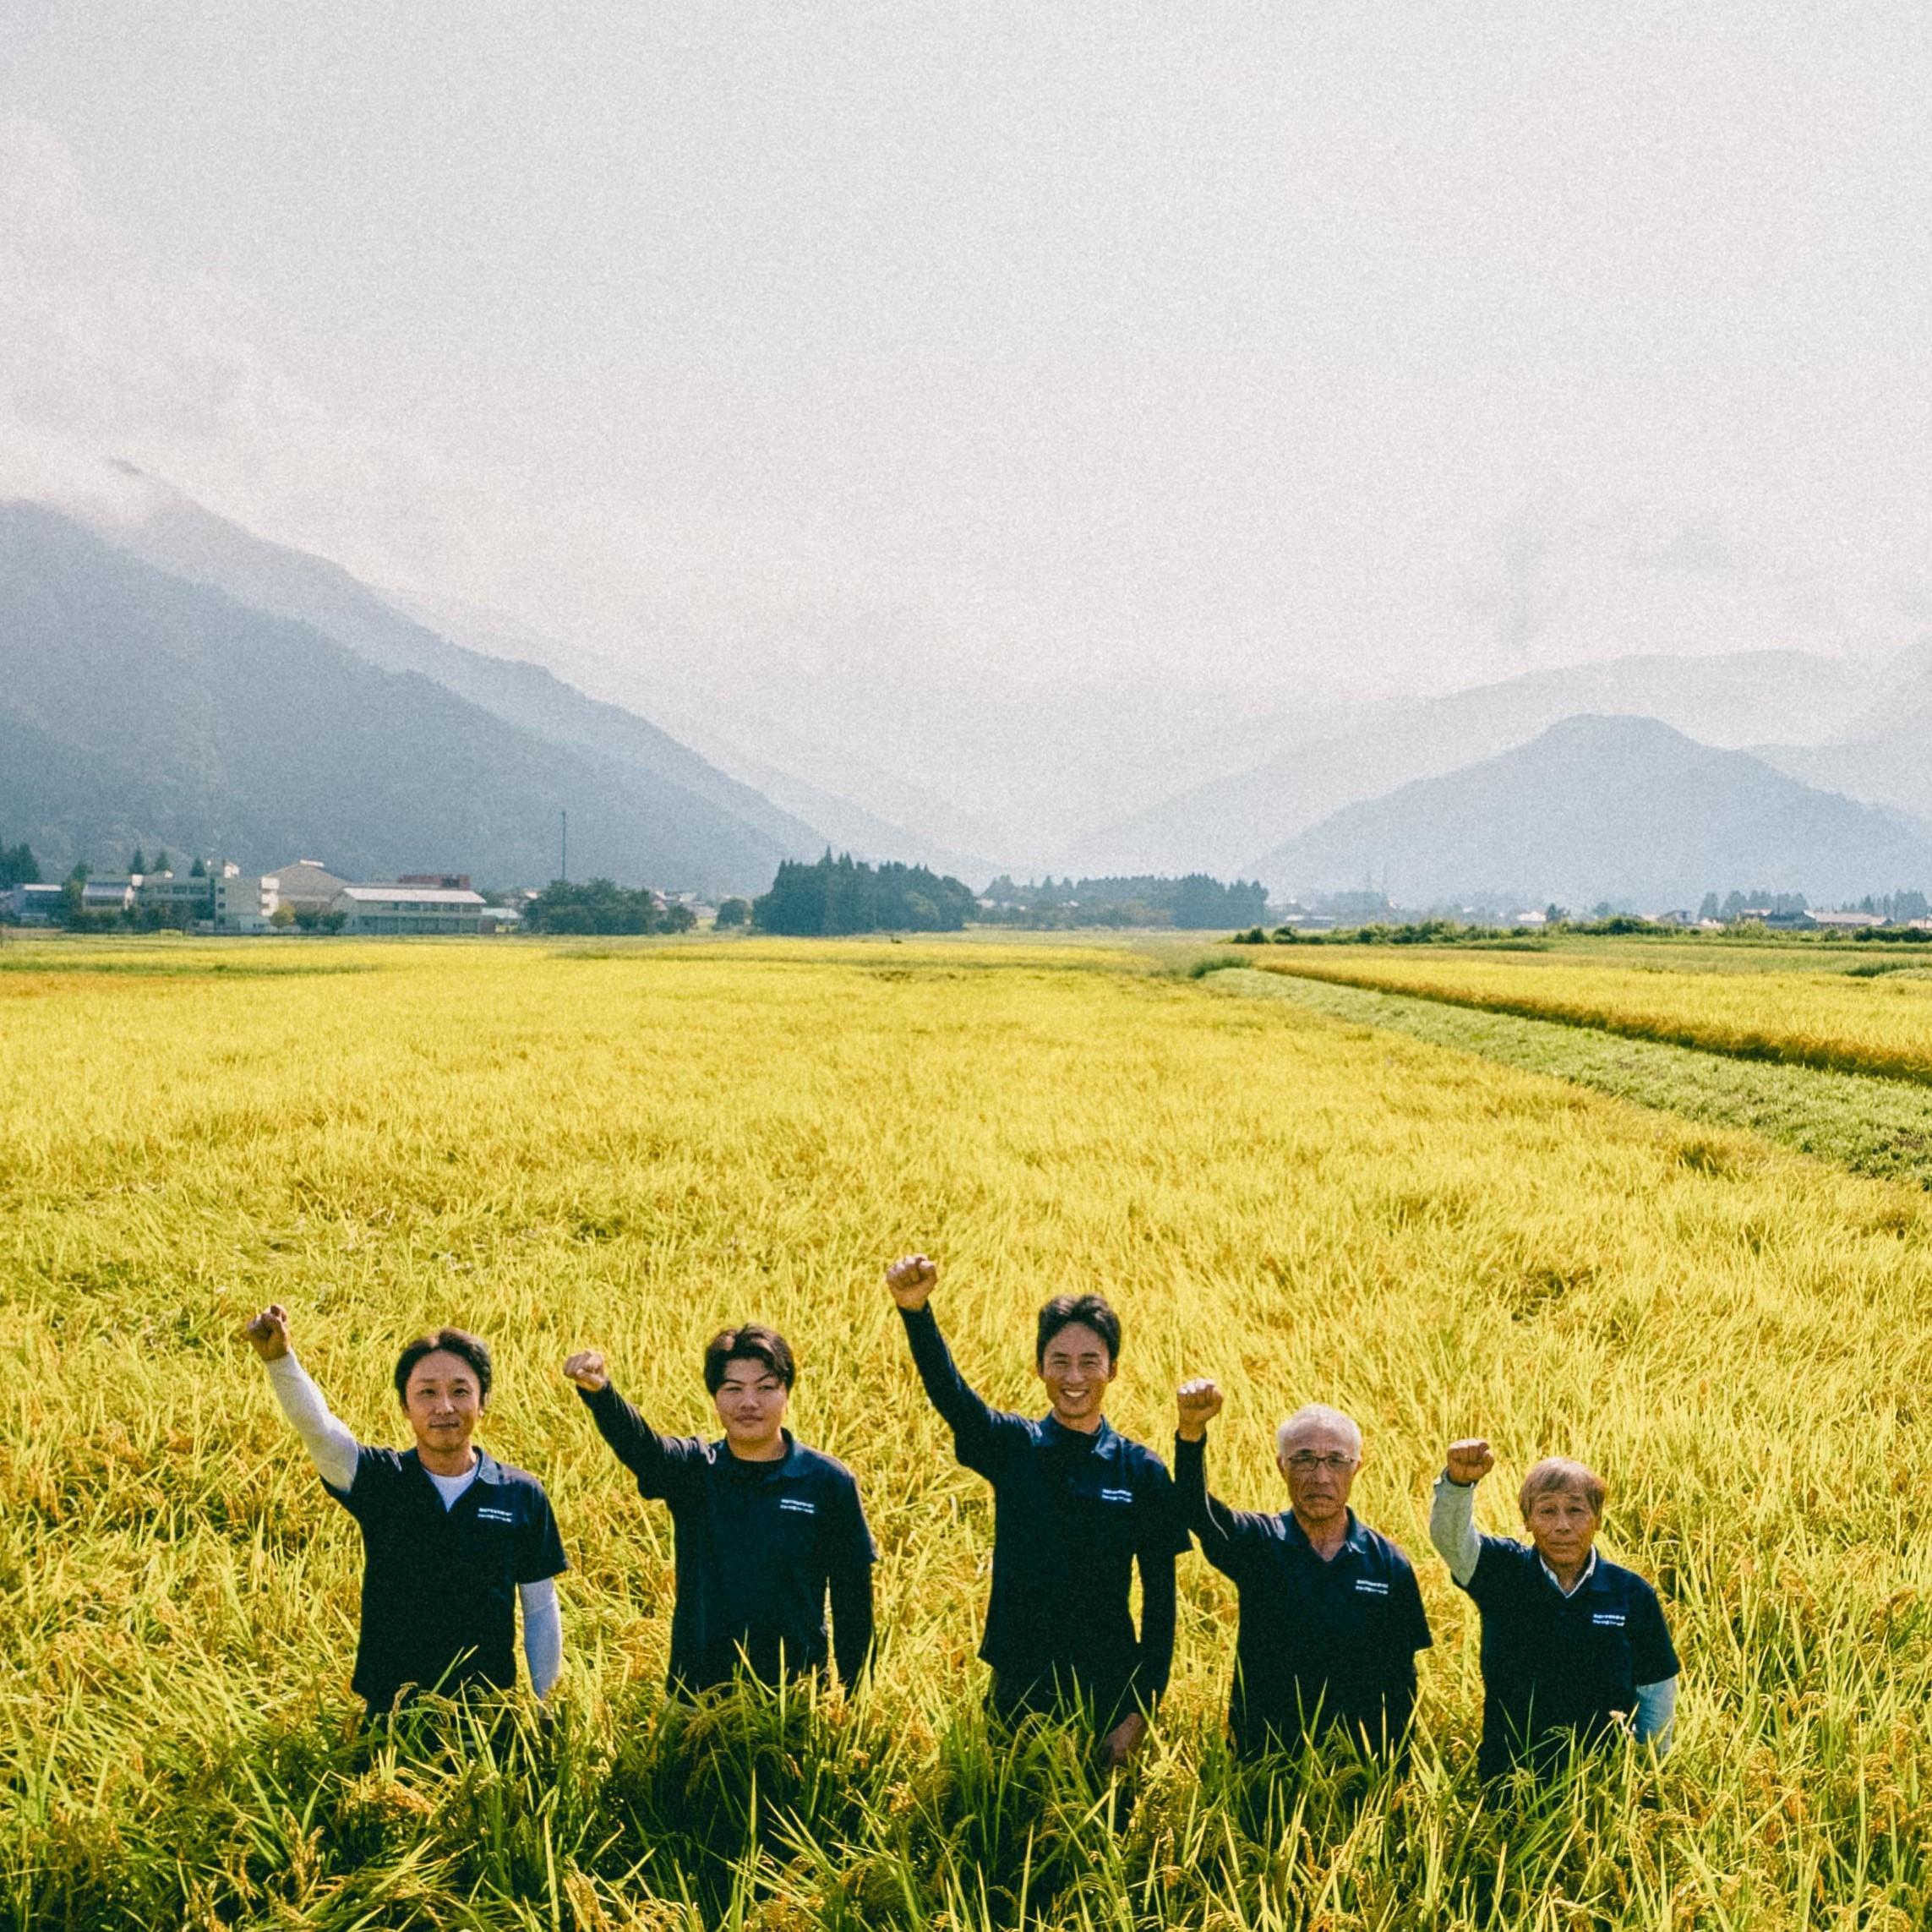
1076	1506
766	1528
451	1538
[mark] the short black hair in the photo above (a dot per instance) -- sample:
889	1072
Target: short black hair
458	1342
750	1341
1063	1310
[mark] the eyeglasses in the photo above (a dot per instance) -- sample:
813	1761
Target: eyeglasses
1306	1462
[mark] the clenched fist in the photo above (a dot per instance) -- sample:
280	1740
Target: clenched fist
587	1369
1469	1461
912	1279
1200	1401
267	1334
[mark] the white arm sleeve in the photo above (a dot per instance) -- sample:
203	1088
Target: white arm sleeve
1451	1527
1656	1713
542	1634
331	1448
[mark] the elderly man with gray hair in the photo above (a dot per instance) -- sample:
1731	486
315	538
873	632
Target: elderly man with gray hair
1330	1616
1574	1649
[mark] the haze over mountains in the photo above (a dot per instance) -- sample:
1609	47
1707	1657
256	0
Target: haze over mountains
1622	810
171	678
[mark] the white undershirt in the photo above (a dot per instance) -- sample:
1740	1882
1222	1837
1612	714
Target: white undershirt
450	1488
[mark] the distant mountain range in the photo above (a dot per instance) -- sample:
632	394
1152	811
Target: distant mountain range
137	707
1724	700
1619	809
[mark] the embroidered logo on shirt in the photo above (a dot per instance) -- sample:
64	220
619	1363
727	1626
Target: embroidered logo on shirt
798	1505
1612	1619
1116	1496
487	1515
1370	1586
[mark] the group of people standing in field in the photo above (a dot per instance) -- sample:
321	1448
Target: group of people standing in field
1575	1651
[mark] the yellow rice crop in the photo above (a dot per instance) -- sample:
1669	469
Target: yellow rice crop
627	1145
1847	1022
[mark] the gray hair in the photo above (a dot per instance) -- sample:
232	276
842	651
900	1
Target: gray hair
1313	1413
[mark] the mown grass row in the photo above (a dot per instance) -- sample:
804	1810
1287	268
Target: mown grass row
633	1147
1880	1128
1849	1022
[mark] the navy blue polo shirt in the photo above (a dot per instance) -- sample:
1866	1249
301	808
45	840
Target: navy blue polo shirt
760	1545
1555	1669
1072	1515
1321	1643
440	1585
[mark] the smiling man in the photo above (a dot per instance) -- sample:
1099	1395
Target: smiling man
451	1538
1331	1619
767	1529
1574	1647
1076	1507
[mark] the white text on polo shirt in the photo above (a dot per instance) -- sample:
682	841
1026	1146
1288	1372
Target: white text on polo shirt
1370	1587
1612	1619
798	1505
1116	1496
489	1515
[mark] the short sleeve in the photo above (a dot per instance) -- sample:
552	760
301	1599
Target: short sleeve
542	1552
1499	1564
854	1542
1412	1621
376	1471
1653	1656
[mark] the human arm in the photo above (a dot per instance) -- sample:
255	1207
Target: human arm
331	1446
977	1427
1225	1534
848	1577
1656	1714
636	1444
542	1634
1451	1510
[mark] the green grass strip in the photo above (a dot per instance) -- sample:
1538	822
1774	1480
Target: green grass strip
1875	1126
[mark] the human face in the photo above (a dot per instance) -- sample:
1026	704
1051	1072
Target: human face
751	1403
1077	1368
1562	1526
1320	1461
443	1399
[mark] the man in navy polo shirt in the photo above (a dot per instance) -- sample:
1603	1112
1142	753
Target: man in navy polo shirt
766	1528
451	1538
1076	1506
1330	1616
1573	1648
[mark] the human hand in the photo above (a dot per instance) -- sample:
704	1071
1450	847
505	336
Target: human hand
1121	1742
1198	1401
587	1369
1469	1461
911	1280
267	1334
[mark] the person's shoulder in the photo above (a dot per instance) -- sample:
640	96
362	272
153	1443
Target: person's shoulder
509	1477
1383	1549
819	1466
1146	1463
1616	1577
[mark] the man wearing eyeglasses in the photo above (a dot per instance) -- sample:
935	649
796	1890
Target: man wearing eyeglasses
1330	1616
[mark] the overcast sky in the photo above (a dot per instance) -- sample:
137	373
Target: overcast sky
1367	348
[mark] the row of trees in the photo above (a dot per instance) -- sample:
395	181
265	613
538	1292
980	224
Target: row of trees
602	906
844	895
1196	902
18	866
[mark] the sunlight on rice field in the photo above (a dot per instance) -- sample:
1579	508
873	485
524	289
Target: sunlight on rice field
627	1145
1872	1016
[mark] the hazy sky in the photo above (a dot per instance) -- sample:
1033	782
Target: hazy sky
1365	346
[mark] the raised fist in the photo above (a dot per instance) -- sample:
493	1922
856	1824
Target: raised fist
267	1334
587	1369
1200	1401
912	1279
1469	1461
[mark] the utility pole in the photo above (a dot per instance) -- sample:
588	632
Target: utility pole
564	858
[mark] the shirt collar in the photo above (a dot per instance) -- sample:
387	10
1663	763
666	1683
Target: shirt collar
486	1469
1589	1571
1355	1538
1058	1432
785	1464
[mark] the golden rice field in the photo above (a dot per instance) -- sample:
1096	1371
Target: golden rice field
1860	1021
629	1142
